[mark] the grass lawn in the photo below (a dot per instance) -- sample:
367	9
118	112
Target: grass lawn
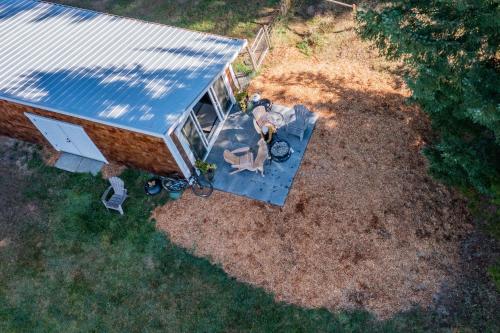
236	18
69	265
66	264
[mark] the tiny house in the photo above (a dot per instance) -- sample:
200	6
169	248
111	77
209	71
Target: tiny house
110	88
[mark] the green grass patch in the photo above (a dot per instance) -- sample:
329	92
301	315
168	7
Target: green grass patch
87	269
241	67
233	18
494	272
304	47
311	43
82	268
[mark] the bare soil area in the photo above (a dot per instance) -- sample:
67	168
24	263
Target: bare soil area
16	211
364	225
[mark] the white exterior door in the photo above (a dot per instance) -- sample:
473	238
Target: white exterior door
67	137
82	142
53	133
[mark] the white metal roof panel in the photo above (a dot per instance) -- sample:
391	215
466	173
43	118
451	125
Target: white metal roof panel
106	68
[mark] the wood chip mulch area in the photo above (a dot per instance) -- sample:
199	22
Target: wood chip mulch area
364	225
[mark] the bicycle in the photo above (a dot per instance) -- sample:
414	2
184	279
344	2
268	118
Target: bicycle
199	185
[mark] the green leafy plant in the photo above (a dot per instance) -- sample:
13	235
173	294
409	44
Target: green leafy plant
304	47
311	42
242	99
205	167
241	67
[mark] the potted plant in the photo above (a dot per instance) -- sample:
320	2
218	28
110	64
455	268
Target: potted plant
206	169
153	186
242	99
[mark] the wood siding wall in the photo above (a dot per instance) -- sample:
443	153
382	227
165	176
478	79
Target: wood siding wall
118	145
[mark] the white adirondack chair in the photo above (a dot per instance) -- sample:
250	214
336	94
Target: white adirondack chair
298	126
117	198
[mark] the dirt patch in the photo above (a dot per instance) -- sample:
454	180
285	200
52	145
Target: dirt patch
15	209
50	155
472	297
112	170
364	226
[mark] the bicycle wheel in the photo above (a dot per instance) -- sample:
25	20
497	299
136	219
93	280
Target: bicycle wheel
174	183
202	187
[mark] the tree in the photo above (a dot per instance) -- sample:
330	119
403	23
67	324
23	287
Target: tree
451	49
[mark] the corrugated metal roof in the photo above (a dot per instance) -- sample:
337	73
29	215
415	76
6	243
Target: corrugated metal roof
111	69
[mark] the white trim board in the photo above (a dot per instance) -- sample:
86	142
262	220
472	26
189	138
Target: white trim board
222	114
182	118
186	171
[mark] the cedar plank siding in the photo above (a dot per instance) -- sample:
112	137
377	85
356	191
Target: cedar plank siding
118	145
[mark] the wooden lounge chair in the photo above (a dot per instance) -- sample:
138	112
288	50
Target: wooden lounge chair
262	157
298	126
246	161
117	198
239	162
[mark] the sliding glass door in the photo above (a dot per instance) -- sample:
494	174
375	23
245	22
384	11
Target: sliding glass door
199	130
220	89
194	139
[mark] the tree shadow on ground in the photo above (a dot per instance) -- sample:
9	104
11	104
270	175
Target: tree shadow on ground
338	98
232	18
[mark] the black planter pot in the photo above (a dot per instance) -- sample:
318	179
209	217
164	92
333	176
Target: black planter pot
266	103
210	174
153	186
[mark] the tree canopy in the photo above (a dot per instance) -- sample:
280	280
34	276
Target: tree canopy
451	49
